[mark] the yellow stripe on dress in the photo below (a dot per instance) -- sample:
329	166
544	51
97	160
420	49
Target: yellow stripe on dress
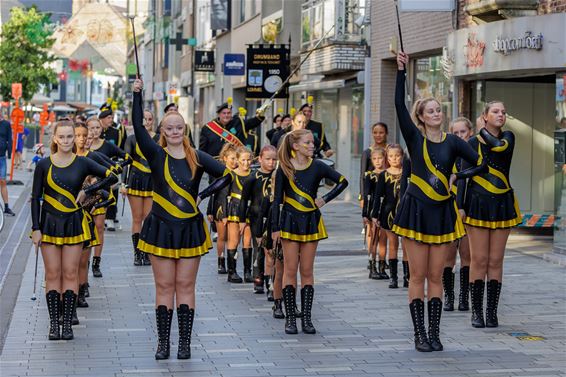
302	194
141	167
59	189
427	189
182	193
143	194
171	208
319	235
189	252
59	241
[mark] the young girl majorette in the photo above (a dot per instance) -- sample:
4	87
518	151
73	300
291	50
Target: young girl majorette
427	216
175	232
241	175
299	222
463	128
378	160
218	206
111	151
139	187
491	210
59	225
385	203
257	191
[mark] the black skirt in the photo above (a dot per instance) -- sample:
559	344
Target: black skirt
175	239
64	228
387	216
302	226
94	237
426	222
233	211
257	224
217	209
139	183
492	211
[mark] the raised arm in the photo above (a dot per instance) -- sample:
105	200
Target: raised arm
148	147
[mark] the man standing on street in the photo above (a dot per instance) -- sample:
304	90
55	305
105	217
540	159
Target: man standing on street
5	150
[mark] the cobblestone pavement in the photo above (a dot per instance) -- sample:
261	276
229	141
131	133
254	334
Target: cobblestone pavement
363	327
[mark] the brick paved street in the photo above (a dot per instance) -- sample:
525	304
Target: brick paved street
363	327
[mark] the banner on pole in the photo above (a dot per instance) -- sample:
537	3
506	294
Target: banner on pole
267	68
426	6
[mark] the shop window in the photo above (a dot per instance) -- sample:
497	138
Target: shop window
431	82
357	116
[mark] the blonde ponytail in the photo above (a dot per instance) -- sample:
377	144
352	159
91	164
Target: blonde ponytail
286	151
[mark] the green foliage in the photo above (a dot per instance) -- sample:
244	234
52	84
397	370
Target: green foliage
24	52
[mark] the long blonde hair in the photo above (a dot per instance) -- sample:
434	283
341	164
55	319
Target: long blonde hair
62	123
190	152
418	110
286	151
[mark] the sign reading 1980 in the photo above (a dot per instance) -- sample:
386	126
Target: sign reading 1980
268	68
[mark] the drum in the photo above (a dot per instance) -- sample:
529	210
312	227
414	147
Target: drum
330	163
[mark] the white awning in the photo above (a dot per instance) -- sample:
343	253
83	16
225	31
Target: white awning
64	109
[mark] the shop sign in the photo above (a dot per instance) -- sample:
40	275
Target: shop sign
474	51
507	46
234	64
267	69
204	61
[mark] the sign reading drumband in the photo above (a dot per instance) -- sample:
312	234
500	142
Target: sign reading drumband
267	69
204	61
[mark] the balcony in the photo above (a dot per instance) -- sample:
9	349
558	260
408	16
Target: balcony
495	10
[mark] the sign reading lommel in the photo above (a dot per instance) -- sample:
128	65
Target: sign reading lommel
267	69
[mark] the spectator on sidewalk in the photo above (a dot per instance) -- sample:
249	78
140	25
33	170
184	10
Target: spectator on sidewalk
5	150
20	147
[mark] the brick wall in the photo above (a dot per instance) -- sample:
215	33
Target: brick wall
424	33
552	6
334	58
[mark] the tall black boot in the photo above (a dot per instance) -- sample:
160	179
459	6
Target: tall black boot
69	298
145	259
406	274
222	266
53	299
417	314
81	300
96	267
233	276
137	253
381	271
373	270
186	318
463	300
307	296
278	309
393	282
163	317
75	318
247	256
477	288
448	284
493	292
434	313
290	304
258	269
87	291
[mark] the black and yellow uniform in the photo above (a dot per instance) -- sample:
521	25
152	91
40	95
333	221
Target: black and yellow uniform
175	228
317	130
218	204
387	195
255	202
235	197
139	177
489	198
427	212
300	219
211	143
60	220
115	134
369	185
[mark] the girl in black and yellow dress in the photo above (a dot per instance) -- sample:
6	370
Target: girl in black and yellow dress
241	175
372	232
385	203
139	188
113	152
175	232
257	191
82	144
463	128
427	216
298	222
60	225
491	210
218	206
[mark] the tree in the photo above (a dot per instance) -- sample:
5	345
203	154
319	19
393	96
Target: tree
24	52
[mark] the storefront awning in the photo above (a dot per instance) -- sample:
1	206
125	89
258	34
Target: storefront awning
322	82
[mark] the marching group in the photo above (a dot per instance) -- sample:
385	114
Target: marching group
271	207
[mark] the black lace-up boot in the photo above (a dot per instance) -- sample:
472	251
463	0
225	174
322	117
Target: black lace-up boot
186	318
53	299
163	317
290	304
